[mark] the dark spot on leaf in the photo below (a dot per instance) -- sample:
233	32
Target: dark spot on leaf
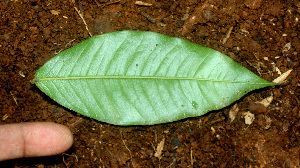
136	64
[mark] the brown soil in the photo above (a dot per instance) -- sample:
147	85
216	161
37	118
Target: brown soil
264	38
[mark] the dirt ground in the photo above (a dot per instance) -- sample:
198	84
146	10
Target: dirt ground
259	34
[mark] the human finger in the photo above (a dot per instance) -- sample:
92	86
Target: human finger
33	139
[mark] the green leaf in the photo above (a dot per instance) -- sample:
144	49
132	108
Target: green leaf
144	78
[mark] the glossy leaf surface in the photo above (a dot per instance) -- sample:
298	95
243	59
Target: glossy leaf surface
144	78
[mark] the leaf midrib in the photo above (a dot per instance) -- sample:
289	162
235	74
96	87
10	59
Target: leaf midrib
35	80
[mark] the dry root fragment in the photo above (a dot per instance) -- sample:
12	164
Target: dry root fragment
55	12
266	102
282	77
233	112
148	17
4	117
141	3
159	149
86	26
227	35
106	4
268	122
286	47
213	130
21	73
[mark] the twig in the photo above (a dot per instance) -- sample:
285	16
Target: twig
192	160
141	3
4	117
254	67
127	149
67	165
152	20
227	35
98	4
14	98
74	123
22	74
215	121
108	3
69	42
83	21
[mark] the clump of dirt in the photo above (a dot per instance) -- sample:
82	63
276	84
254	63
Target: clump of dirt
262	36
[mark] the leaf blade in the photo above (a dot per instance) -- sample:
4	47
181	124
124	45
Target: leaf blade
142	78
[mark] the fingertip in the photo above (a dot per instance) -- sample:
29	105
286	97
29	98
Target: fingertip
33	139
45	138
